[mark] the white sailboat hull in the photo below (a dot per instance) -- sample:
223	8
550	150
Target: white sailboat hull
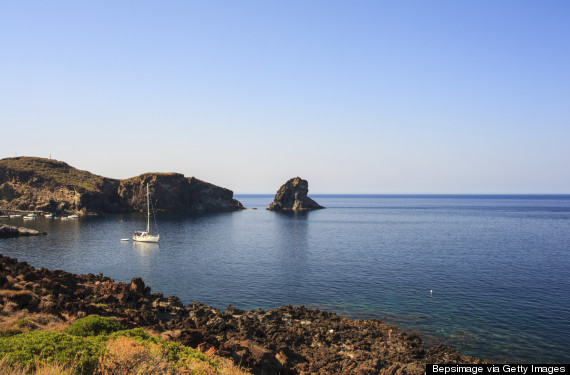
146	238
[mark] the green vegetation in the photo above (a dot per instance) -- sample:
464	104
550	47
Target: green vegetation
10	332
96	344
58	172
7	368
94	325
175	352
31	348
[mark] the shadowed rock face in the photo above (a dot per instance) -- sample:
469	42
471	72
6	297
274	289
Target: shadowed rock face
14	231
174	192
28	183
292	195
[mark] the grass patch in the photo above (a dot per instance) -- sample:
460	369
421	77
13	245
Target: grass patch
125	355
8	368
176	354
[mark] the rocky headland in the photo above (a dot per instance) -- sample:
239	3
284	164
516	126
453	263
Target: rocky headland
37	184
14	231
285	340
292	196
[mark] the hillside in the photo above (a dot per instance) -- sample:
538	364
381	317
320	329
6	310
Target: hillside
38	184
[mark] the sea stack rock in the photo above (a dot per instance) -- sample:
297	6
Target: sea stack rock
292	195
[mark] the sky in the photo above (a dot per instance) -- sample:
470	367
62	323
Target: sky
396	97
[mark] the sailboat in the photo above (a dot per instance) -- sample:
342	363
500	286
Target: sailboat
145	236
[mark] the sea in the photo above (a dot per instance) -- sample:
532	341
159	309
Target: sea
487	274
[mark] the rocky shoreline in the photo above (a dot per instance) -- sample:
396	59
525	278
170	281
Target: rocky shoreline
14	231
285	340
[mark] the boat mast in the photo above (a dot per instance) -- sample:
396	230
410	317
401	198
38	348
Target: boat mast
147	211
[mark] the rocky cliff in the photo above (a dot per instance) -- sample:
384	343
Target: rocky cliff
174	192
285	340
28	183
292	195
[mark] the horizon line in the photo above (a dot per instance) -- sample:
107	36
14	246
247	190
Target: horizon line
411	194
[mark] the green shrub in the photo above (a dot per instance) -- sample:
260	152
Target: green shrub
46	347
180	355
94	325
10	332
137	333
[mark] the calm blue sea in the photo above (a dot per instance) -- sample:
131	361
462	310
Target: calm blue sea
498	266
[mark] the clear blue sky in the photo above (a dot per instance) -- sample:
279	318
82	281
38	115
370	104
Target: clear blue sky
354	96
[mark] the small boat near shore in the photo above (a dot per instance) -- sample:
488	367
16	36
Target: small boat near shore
73	216
145	236
15	216
29	218
48	216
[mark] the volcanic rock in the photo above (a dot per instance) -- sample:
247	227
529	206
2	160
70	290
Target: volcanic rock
292	195
14	231
174	192
28	183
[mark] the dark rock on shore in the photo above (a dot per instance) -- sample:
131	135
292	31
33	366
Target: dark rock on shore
292	195
28	183
14	231
286	340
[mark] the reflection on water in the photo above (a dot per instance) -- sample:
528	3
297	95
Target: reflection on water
143	248
146	255
292	269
